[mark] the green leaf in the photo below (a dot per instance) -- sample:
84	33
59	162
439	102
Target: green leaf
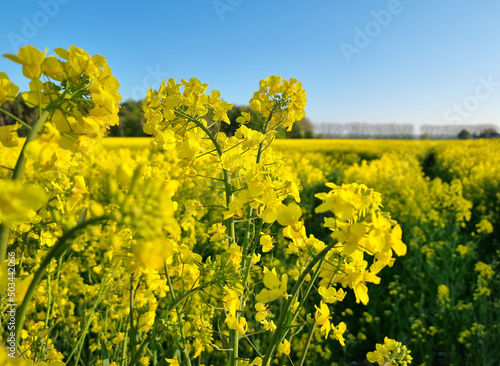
105	356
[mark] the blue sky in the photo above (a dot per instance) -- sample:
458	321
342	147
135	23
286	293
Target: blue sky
403	61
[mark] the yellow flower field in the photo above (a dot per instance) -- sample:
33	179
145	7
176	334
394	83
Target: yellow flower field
195	247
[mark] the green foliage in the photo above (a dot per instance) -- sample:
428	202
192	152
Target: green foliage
131	121
301	129
464	135
442	298
19	109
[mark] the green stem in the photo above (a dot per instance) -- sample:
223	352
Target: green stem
59	247
186	295
18	171
306	294
234	339
233	334
132	329
4	241
252	251
145	342
79	345
291	319
247	262
281	330
137	354
35	128
124	349
15	118
179	316
227	182
261	145
245	259
308	343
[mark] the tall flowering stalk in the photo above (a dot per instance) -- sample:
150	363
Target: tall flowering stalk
77	101
255	186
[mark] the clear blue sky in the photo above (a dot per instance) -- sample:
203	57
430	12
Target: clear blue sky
406	61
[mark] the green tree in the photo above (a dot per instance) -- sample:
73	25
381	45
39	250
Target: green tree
257	122
489	133
19	109
301	129
464	135
131	120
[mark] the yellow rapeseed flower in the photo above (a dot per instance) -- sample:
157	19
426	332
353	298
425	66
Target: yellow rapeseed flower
31	59
275	288
8	135
8	90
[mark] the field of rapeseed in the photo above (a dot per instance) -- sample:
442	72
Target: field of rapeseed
192	247
442	298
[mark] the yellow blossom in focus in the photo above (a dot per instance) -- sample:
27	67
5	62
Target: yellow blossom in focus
198	346
31	59
323	317
267	243
218	231
330	294
244	118
262	311
257	361
284	348
239	324
231	300
53	68
390	353
173	361
289	215
338	332
269	325
275	289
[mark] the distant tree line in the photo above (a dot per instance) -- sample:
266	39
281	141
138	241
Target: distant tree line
358	130
459	131
488	133
361	130
132	120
